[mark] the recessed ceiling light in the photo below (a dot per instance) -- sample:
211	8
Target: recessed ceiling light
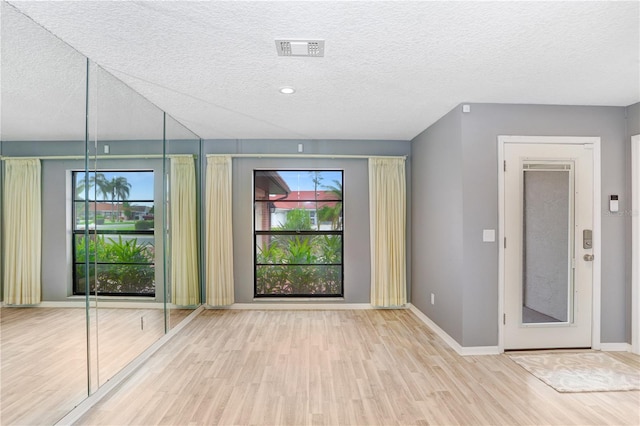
287	90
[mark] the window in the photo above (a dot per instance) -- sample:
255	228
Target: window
120	224
298	233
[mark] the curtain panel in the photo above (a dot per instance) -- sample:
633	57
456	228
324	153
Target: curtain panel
22	232
219	238
387	210
182	224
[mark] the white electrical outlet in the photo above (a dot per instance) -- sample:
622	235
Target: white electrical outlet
300	147
433	299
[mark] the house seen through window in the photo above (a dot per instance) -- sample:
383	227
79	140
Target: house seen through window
298	233
120	222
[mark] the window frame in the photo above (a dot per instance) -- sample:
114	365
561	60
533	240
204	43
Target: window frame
317	232
75	233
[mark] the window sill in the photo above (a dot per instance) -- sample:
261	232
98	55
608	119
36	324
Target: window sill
298	299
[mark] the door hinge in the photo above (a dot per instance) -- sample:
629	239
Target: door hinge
504	319
505	242
505	165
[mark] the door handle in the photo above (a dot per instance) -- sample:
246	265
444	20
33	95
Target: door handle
588	257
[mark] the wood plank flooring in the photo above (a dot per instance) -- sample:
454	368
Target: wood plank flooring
364	367
43	359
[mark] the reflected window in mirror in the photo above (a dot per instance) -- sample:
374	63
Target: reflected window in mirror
121	242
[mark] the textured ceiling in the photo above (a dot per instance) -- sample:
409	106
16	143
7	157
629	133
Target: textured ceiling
390	69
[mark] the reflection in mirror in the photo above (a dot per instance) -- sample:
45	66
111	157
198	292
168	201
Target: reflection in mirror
93	151
43	325
125	245
182	228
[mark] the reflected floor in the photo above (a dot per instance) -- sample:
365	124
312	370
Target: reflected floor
44	362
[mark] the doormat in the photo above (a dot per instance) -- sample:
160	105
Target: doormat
580	372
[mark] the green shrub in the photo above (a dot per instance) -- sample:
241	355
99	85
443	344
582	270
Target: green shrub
144	224
125	266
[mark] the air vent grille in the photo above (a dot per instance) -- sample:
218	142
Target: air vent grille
314	48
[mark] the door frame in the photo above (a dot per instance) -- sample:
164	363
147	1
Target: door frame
597	216
635	245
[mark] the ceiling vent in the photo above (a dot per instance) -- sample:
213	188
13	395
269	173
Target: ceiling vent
300	47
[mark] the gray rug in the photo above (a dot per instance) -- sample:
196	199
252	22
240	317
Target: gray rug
580	372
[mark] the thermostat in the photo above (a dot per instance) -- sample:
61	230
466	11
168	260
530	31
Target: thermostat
613	203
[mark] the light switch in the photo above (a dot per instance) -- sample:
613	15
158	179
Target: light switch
489	235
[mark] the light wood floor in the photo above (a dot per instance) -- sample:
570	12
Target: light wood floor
43	361
366	367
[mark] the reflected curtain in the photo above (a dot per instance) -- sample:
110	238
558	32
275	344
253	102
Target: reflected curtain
22	232
219	245
387	210
184	244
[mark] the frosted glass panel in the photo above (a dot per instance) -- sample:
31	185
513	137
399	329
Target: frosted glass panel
546	263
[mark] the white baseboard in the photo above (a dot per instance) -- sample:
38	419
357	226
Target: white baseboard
108	304
615	347
295	306
460	350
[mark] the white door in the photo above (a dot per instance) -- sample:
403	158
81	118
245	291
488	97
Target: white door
548	254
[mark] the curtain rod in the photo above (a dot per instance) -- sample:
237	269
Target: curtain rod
404	157
99	157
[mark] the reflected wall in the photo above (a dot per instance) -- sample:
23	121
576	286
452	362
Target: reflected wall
126	280
44	349
106	231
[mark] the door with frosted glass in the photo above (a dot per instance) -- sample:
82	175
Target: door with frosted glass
549	245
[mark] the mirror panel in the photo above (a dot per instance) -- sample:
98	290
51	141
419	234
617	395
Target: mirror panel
127	290
105	196
44	342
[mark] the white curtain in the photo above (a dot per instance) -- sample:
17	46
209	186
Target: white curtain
184	244
22	232
219	245
387	207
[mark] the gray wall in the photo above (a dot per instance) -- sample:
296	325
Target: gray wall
437	229
56	237
479	281
356	201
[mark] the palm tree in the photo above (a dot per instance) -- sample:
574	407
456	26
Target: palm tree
102	185
97	181
119	191
333	213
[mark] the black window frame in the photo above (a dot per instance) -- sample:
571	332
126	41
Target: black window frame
297	233
75	233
